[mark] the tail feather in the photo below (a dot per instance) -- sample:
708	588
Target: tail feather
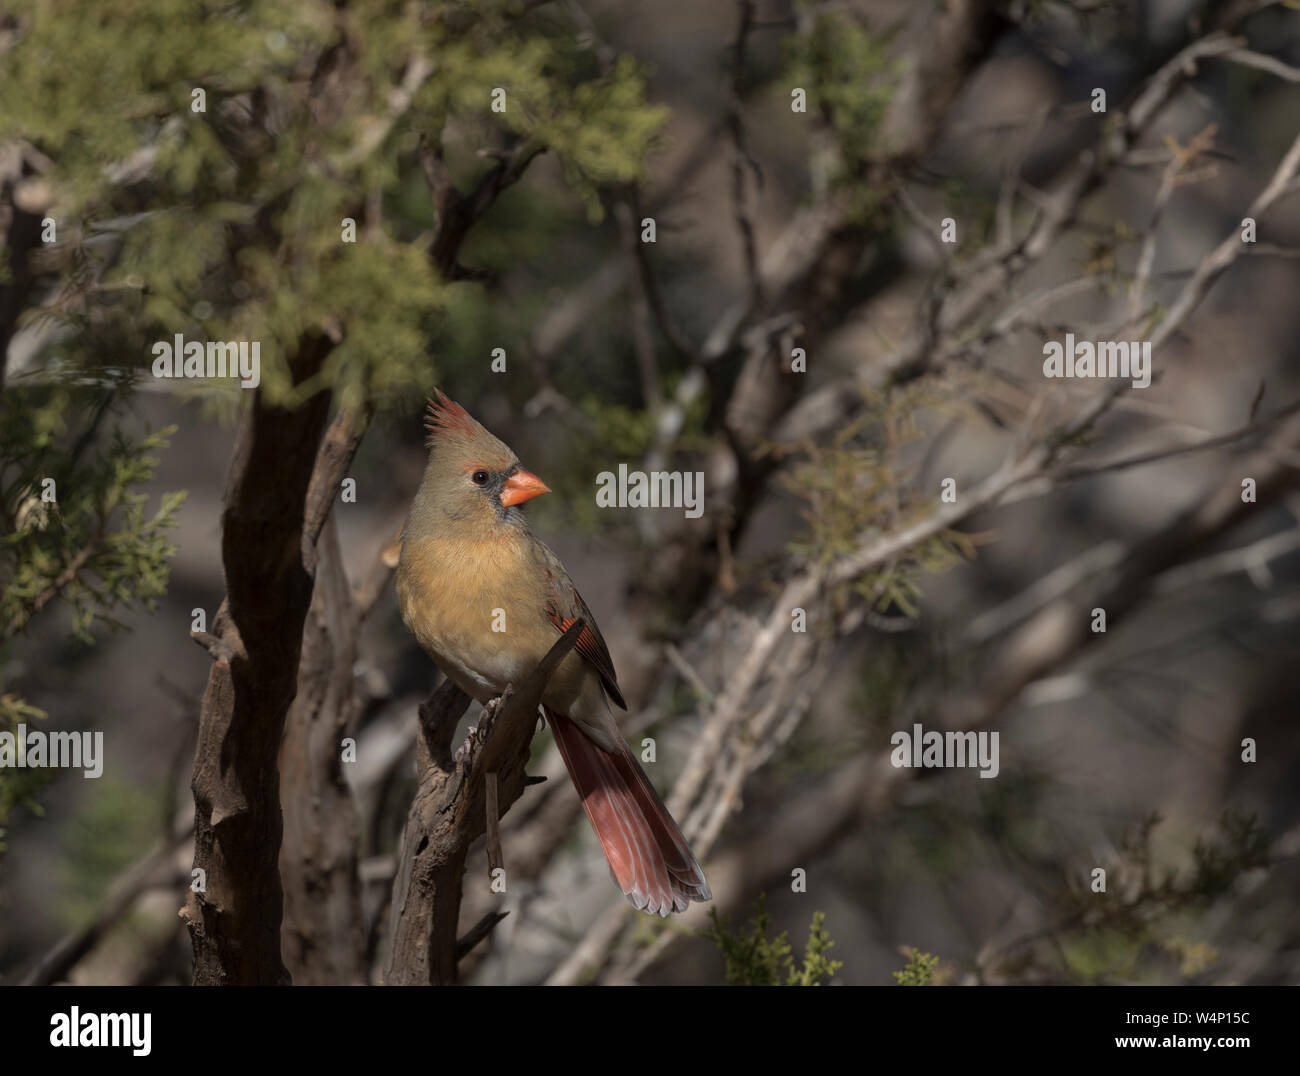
647	854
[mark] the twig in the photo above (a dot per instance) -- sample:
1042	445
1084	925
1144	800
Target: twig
373	133
643	346
495	858
52	590
1169	181
1258	60
741	159
1069	474
645	273
480	930
1253	559
688	672
219	648
1048	588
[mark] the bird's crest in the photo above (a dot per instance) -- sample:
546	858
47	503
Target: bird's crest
445	415
449	425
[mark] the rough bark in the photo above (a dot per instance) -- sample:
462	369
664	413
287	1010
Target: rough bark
234	919
322	936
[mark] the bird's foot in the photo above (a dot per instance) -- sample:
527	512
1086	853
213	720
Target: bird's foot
490	710
476	735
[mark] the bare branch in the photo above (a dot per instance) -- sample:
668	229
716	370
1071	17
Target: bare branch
1258	60
450	811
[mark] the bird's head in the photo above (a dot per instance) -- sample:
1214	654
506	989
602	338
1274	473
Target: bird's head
471	474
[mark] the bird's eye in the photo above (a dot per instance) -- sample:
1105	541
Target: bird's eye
479	478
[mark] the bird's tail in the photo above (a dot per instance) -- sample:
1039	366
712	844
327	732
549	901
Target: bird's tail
647	853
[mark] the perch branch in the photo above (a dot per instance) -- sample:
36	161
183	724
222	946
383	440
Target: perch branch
450	810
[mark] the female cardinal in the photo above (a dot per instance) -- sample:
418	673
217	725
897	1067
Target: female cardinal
470	563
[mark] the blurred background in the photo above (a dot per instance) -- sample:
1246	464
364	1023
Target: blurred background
649	231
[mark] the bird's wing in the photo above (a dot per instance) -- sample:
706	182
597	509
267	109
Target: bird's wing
564	605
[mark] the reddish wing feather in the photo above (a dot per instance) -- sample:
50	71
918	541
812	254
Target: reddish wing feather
646	851
565	605
592	647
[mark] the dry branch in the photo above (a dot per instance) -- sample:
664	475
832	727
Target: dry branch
450	811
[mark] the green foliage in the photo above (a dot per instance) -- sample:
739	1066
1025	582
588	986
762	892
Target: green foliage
18	788
603	434
855	486
1150	909
848	77
622	432
240	237
88	542
95	547
599	127
919	970
816	965
752	959
100	840
90	81
1105	251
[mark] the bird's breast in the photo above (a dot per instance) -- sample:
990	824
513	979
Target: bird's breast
476	608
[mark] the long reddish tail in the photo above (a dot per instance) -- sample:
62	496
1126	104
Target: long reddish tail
646	851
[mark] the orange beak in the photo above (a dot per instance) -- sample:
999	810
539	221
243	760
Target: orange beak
522	486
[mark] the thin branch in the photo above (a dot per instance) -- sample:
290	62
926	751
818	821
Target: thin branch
1258	60
1091	470
645	272
492	815
375	131
457	212
643	346
53	589
1170	180
679	662
1253	559
477	933
741	159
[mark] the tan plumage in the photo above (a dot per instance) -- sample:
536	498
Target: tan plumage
469	562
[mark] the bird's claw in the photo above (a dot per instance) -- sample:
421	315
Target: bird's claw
491	709
476	735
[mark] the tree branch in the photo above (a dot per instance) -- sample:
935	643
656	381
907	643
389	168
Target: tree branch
450	811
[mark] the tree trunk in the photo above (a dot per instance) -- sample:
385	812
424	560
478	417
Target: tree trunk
323	936
234	908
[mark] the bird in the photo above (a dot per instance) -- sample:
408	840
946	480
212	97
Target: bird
486	599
